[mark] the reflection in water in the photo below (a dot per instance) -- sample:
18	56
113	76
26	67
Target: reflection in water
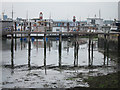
106	50
15	44
76	47
71	46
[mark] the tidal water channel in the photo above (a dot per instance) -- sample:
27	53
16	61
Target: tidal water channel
53	63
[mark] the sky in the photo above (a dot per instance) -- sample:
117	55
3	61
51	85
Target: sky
59	10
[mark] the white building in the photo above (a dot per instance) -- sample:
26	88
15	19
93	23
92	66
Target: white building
119	10
95	21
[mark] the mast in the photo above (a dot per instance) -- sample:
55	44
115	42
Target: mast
99	13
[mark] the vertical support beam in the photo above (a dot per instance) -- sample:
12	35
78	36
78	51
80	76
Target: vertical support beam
92	52
15	37
67	26
78	26
45	52
29	47
118	59
104	49
77	51
12	50
89	50
60	50
107	49
45	48
21	37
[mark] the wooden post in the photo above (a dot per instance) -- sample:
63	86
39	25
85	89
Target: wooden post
67	26
118	54
12	49
29	47
89	50
15	37
45	48
77	51
45	52
92	53
108	48
104	49
60	46
21	37
78	26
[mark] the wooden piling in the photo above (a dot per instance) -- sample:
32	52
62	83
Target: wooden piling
21	37
108	37
60	50
12	49
29	47
104	49
15	38
45	52
89	50
92	52
77	47
45	48
78	26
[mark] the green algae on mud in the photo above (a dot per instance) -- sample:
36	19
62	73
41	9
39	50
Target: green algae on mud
105	81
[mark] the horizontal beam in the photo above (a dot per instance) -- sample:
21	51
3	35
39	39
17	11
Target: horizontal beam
83	33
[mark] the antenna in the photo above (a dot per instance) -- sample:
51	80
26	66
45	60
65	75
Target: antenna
50	16
27	15
12	12
99	13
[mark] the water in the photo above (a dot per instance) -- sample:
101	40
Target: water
49	63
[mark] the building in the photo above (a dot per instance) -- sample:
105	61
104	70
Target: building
6	26
40	24
95	22
119	10
108	22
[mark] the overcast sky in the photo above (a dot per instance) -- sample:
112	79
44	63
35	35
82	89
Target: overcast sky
62	10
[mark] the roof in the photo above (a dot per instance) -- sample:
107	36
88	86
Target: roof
95	18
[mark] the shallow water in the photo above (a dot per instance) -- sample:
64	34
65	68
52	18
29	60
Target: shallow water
49	74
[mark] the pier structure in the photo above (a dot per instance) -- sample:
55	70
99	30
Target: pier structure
76	35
